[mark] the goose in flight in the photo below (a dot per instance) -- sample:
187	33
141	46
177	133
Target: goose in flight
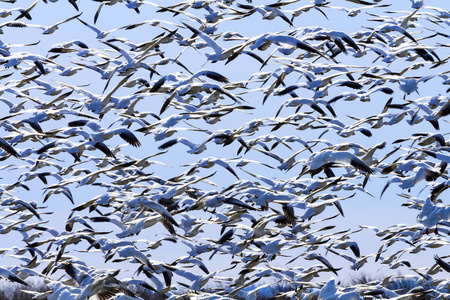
16	58
323	260
391	27
267	38
52	28
63	145
196	88
209	162
65	47
219	52
306	8
341	129
194	149
9	275
182	80
318	159
353	12
338	37
100	33
154	22
8	148
15	24
269	12
8	12
103	2
432	214
445	266
167	60
214	18
133	63
105	134
329	291
106	73
298	102
101	286
26	12
151	205
347	244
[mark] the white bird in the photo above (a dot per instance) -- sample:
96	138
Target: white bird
153	22
298	102
432	214
8	148
323	260
152	205
50	89
194	148
129	252
219	52
330	292
26	12
8	12
416	3
102	134
105	73
338	37
100	33
15	24
341	129
52	28
267	38
9	275
182	80
268	12
133	63
209	162
391	27
318	159
353	12
442	263
103	286
198	281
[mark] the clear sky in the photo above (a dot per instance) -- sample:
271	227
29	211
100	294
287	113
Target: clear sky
361	209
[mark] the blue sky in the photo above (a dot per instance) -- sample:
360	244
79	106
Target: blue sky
362	209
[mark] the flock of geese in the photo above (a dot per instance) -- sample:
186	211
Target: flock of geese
276	131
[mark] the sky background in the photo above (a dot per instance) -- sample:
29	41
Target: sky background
362	209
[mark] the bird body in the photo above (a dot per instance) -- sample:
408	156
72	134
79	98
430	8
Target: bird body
432	214
317	160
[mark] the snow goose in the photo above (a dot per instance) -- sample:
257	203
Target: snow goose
182	80
26	12
101	286
219	52
319	159
267	38
52	28
330	292
104	134
306	8
209	162
442	263
9	275
432	214
353	12
323	260
194	149
197	281
100	33
269	12
8	12
8	148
